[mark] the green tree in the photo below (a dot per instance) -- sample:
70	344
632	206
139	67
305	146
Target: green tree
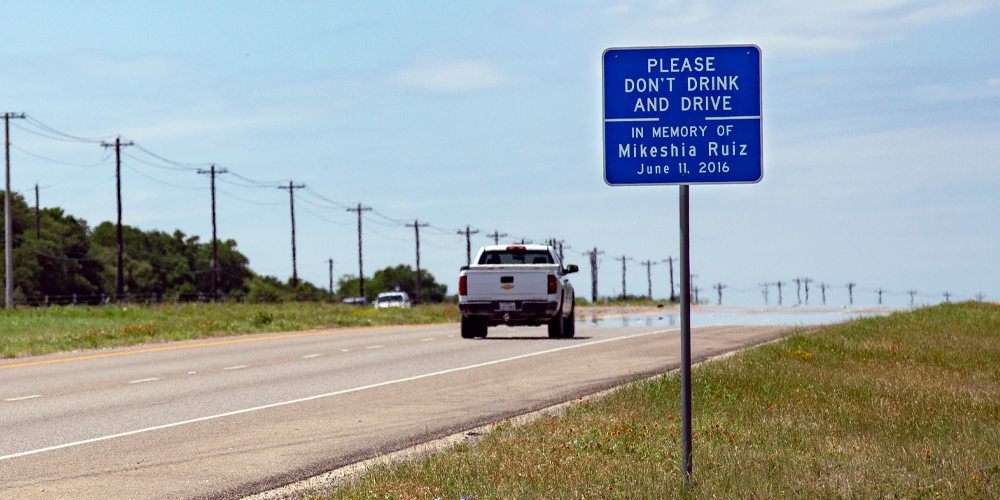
386	280
59	263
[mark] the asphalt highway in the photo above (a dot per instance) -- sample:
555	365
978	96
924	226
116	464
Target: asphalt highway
228	417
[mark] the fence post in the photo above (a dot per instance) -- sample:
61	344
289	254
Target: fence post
74	301
222	301
177	302
261	299
128	298
46	301
154	300
104	301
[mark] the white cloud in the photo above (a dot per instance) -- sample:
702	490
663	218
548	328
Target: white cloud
451	76
994	81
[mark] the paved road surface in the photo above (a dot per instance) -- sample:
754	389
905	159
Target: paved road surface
229	417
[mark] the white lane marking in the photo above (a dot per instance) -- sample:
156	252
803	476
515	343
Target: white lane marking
427	340
192	373
327	395
310	356
374	347
234	367
143	380
451	336
24	397
344	350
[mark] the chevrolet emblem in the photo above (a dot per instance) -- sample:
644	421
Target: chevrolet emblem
507	287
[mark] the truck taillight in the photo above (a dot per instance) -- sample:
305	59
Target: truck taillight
463	285
553	284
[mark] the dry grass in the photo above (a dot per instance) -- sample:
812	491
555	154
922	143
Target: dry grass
904	406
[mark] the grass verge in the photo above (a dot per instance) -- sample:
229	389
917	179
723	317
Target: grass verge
903	406
26	332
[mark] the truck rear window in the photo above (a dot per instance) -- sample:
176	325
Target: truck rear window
501	257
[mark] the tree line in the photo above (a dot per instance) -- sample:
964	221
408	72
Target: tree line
57	255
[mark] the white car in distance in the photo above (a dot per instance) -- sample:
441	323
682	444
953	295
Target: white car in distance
392	299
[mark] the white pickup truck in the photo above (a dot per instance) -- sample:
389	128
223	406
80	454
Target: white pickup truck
516	285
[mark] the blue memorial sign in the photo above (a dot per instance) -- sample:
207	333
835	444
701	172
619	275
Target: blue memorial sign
682	115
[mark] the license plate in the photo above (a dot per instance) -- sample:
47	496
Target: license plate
508	306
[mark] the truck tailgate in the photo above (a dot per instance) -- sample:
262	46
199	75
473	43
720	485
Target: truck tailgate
509	283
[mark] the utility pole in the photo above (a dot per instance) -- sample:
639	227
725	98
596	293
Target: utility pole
416	228
557	246
850	292
291	187
120	281
779	283
8	221
623	259
912	293
468	243
719	287
525	241
496	235
38	216
980	296
766	290
361	267
331	279
593	273
947	297
649	277
880	296
806	281
670	262
215	243
798	289
822	286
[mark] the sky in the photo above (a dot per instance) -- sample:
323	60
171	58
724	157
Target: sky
881	130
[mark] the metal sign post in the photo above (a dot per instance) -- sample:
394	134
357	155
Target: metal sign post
682	116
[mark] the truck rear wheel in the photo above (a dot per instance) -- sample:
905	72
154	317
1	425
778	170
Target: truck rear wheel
473	326
468	327
556	325
569	324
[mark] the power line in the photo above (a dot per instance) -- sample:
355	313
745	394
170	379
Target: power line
59	162
165	183
51	130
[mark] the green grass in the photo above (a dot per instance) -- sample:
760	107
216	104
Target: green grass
26	332
903	406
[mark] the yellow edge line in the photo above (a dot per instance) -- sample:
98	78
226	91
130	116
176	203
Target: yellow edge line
222	342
